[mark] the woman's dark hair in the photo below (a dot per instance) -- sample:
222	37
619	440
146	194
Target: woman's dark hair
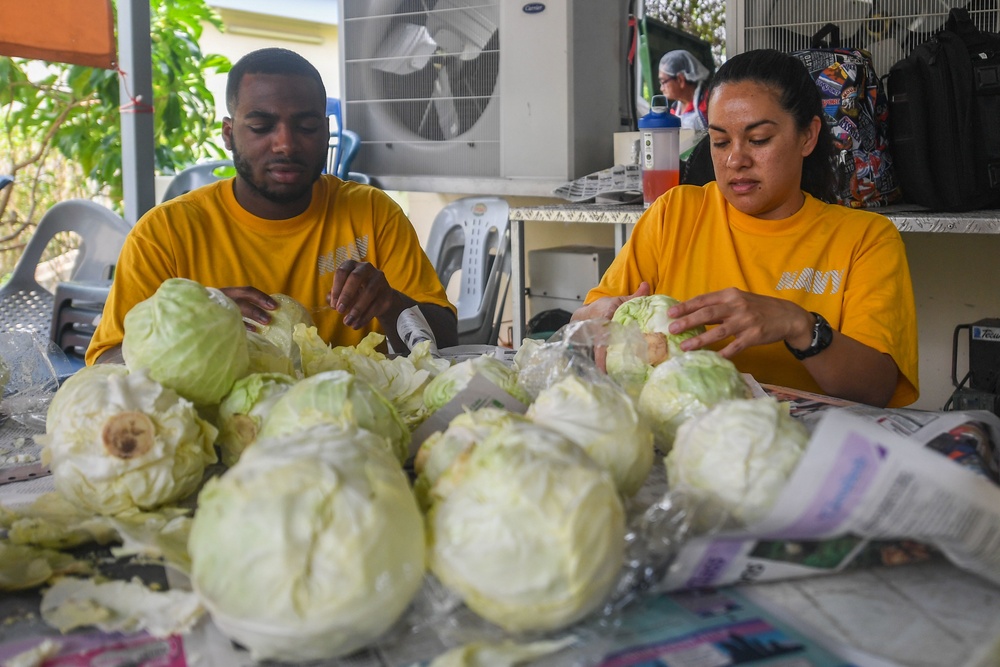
269	61
798	95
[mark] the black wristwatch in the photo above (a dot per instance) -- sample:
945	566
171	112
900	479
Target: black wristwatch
822	337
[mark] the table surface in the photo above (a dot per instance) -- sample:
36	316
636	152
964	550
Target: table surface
929	614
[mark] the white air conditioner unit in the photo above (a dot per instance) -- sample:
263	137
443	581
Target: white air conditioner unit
888	29
483	96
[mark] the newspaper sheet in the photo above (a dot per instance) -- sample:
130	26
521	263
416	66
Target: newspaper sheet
694	629
874	486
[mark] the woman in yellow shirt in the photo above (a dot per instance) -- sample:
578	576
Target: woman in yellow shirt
796	291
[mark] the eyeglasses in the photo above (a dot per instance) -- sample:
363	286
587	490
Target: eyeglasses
665	80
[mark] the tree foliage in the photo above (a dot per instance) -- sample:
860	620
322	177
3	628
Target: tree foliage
703	18
62	129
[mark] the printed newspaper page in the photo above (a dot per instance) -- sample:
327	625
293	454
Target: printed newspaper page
873	487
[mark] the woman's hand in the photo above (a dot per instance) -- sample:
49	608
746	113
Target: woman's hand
751	319
361	293
605	307
254	304
847	368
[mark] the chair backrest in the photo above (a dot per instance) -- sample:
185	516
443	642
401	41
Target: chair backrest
471	235
195	176
336	134
27	306
343	150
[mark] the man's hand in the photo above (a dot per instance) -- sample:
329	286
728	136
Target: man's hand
361	293
254	304
605	307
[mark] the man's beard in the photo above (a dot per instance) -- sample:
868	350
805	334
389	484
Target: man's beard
245	170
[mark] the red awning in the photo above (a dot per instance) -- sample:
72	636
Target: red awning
80	32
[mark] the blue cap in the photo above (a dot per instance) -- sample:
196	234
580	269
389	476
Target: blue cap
659	115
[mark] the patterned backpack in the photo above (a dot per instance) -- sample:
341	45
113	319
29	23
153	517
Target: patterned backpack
856	113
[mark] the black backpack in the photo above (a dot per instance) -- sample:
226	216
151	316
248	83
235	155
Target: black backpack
944	101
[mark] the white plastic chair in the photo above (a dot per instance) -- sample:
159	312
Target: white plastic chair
195	176
27	306
471	235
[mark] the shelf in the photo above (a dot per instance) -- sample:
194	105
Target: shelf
906	218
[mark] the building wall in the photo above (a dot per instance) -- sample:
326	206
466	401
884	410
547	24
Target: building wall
246	32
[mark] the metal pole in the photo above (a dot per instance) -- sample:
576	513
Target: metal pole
517	281
136	88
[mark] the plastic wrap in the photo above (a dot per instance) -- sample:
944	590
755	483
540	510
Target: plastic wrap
33	377
583	348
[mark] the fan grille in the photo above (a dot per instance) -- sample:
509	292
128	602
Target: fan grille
435	91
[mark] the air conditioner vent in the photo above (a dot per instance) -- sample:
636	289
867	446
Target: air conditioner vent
483	89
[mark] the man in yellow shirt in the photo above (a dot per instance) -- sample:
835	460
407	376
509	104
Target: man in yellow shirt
281	226
797	292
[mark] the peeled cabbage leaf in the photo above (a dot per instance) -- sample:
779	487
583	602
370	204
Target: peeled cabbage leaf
283	320
400	379
734	459
191	338
687	385
54	522
266	357
318	356
527	529
163	534
602	419
310	547
23	567
119	606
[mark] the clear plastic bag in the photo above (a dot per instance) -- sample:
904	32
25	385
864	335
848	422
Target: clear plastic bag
33	378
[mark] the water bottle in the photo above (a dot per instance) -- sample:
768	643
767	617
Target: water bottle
660	142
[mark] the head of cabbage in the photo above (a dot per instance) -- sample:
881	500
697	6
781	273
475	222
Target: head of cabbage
527	529
684	386
340	398
243	410
450	382
440	449
734	459
602	419
117	440
310	547
190	337
649	314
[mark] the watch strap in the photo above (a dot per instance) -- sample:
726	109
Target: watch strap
821	339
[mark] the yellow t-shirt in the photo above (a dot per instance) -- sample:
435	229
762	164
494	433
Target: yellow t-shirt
847	264
207	236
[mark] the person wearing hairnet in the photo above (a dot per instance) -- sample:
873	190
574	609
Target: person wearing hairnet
682	80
